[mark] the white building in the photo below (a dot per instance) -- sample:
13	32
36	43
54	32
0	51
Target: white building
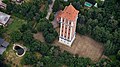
4	18
68	19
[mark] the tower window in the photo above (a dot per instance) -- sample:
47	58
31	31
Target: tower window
63	20
69	23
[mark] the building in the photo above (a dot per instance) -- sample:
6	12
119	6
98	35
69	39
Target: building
18	1
4	18
68	19
2	5
3	45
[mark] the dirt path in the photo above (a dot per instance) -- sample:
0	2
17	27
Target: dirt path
39	37
50	9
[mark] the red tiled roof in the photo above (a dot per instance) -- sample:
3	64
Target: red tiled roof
69	13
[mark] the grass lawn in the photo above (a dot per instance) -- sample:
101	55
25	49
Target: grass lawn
12	58
15	24
113	57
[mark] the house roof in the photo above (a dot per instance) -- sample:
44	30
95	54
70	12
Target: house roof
5	44
4	18
2	49
69	13
1	41
2	4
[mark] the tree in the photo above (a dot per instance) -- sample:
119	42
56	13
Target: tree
29	59
49	38
42	25
81	29
26	27
112	24
56	6
51	18
110	48
118	55
35	46
99	17
2	30
44	49
81	19
27	37
50	1
77	5
16	36
10	7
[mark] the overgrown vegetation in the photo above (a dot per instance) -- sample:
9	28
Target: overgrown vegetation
49	32
100	23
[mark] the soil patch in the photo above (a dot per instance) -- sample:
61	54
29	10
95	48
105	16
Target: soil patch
39	37
83	46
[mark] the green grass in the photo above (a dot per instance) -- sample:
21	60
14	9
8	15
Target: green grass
15	25
112	57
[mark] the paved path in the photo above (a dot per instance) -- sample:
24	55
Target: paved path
50	9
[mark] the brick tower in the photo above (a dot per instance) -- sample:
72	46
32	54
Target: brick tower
67	18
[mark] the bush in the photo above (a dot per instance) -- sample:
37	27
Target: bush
16	36
50	1
49	38
29	59
49	32
56	6
51	18
27	37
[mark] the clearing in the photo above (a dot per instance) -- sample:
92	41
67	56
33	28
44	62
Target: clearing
15	24
39	36
83	46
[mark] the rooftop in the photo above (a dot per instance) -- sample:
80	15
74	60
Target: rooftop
2	5
3	45
2	49
4	18
69	13
1	41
